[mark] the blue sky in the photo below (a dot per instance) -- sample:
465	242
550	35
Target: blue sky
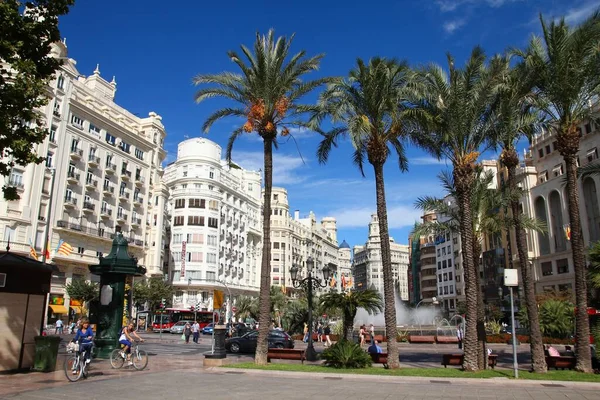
154	48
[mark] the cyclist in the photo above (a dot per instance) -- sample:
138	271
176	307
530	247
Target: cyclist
126	338
85	337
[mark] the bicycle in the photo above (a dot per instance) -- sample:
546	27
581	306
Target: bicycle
75	366
139	357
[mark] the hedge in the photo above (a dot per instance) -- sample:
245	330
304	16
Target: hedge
506	338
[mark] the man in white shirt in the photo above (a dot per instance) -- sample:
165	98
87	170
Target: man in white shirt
58	327
196	331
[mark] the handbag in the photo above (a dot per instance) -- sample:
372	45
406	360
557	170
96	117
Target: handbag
183	336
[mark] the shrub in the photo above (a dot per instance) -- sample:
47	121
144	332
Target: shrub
345	354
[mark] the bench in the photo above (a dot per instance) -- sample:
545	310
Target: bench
286	354
446	339
380	358
421	339
562	362
457	359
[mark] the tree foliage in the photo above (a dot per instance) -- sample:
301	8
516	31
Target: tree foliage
345	354
557	318
349	303
25	71
80	289
152	292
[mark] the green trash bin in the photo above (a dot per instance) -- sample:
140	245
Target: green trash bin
46	353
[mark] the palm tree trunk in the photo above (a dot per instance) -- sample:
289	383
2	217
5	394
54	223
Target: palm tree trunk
388	276
463	178
481	334
348	326
582	338
536	344
264	298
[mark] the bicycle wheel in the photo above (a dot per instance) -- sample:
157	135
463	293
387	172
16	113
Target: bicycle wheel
73	369
140	359
116	360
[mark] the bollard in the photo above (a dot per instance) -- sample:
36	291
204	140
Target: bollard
219	333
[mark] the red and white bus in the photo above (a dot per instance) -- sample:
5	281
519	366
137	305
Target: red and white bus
165	319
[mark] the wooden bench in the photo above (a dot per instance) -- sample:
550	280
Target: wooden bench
286	354
380	358
562	362
457	359
421	339
446	339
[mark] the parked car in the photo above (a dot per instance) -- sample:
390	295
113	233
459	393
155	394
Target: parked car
247	343
208	329
178	327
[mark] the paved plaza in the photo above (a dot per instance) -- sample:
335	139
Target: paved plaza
194	383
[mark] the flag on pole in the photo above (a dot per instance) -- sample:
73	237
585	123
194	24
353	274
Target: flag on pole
64	248
32	252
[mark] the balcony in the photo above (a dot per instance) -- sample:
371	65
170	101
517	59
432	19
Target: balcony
76	153
138	242
70	202
108	190
73	177
88	231
110	168
125	175
122	217
124	195
105	212
93	161
52	140
16	183
139	180
136	221
229	222
139	200
88	207
56	113
91	184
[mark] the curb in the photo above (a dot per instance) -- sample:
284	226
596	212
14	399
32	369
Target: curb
410	379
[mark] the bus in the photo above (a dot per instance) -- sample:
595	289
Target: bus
165	319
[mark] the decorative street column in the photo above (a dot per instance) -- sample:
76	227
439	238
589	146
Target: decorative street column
113	271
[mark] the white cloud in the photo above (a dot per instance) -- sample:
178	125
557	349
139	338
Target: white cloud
451	5
426	161
286	168
451	26
399	216
578	14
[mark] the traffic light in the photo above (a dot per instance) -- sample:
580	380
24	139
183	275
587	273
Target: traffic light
192	308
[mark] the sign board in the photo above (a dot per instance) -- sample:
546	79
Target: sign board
511	277
217	299
183	257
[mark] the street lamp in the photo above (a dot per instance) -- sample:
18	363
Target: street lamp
308	284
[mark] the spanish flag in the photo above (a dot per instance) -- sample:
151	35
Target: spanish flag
64	248
32	252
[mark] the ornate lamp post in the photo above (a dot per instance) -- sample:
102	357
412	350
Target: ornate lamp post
308	284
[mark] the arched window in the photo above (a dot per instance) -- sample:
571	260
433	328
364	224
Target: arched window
590	199
540	214
556	218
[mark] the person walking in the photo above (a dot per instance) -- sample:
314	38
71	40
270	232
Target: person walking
459	336
187	331
59	326
372	333
361	334
320	333
196	331
72	327
327	332
305	339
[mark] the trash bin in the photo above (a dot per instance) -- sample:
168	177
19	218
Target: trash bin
46	353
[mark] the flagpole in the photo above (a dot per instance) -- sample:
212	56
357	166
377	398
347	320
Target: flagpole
46	242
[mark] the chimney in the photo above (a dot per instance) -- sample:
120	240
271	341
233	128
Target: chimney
296	215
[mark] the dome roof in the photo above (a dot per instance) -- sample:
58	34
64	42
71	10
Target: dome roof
344	245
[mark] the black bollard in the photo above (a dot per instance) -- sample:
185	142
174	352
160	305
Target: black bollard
219	332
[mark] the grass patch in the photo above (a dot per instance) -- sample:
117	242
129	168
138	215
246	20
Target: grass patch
426	372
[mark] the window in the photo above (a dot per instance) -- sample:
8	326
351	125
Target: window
543	177
211	173
211	276
451	290
588	128
211	240
444	264
565	288
94	129
439	265
197	238
445	277
178	221
541	153
211	258
449	276
592	154
195	220
249	187
180	203
557	170
276	245
197	203
194	256
449	263
555	145
74	144
52	136
60	82
548	149
126	147
16	178
177	238
139	154
110	139
440	278
547	268
80	250
457	278
562	266
76	121
213	222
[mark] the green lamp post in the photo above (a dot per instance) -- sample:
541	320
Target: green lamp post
113	271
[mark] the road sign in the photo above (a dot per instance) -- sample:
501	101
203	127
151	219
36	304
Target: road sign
234	309
217	299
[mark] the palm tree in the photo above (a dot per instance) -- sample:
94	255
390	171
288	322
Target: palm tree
564	67
247	307
266	93
349	303
515	118
452	117
367	105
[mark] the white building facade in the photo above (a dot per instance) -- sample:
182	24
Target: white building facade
368	267
107	172
216	227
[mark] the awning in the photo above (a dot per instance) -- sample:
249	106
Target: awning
77	309
58	309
